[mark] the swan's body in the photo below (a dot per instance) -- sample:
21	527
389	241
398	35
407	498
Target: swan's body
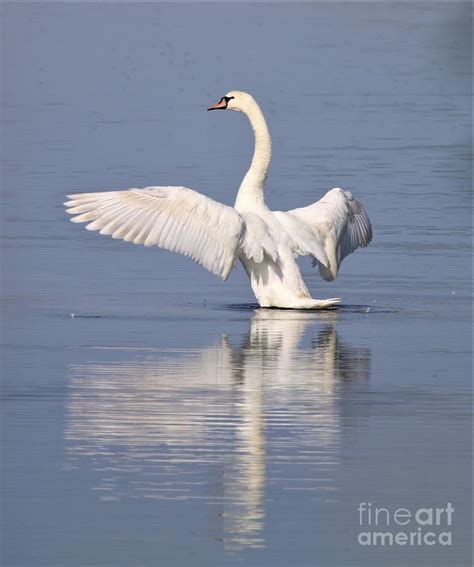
214	235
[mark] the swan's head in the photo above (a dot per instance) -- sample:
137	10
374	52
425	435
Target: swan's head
234	100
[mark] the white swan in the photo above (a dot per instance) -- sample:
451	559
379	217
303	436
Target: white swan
214	235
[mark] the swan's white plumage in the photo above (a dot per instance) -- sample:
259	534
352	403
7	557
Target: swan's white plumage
259	241
302	238
340	223
215	235
175	218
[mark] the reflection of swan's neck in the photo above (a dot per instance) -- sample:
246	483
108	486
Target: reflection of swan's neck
251	188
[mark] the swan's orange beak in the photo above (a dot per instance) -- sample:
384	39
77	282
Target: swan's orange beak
222	105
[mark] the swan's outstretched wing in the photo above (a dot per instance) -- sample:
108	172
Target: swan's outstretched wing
341	226
175	218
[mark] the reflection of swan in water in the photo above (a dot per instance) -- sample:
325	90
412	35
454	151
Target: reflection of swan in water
160	426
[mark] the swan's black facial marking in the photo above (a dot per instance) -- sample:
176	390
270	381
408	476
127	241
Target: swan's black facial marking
225	101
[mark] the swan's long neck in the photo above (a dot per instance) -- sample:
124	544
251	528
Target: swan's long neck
251	189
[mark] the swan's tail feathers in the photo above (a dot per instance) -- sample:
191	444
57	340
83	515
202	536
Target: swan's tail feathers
327	303
340	224
311	303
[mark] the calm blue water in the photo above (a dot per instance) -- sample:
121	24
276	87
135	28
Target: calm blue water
170	421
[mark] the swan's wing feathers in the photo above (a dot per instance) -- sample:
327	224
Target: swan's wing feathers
258	242
341	225
302	238
175	218
357	231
